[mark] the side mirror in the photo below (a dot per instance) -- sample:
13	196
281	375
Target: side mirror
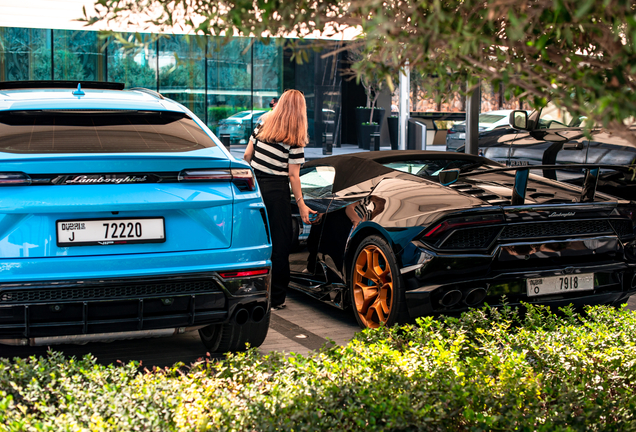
519	119
448	177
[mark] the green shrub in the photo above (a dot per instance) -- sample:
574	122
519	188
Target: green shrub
488	370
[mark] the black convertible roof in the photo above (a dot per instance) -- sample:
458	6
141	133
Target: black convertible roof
354	168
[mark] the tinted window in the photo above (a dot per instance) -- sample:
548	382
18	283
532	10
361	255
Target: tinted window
431	168
553	117
317	182
99	132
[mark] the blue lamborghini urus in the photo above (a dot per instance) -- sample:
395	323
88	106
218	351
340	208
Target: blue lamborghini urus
121	215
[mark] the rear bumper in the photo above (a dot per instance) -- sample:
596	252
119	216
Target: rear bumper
151	292
618	284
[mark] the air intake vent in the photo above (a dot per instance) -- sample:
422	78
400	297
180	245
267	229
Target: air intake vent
471	238
623	228
489	197
124	291
555	229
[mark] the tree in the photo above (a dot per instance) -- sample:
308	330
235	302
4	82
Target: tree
578	53
371	80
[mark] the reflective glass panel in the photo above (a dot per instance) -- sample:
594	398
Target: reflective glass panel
25	54
182	71
268	73
134	67
229	72
78	55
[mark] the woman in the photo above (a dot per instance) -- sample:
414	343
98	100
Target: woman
275	152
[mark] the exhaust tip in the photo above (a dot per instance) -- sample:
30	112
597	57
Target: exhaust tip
258	313
475	296
241	316
451	298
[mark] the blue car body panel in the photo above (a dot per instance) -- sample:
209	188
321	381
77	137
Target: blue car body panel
125	265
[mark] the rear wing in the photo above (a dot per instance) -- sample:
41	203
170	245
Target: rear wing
522	173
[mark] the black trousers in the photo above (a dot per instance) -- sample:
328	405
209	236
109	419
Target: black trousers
277	198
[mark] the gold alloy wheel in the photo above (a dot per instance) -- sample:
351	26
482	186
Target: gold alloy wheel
373	286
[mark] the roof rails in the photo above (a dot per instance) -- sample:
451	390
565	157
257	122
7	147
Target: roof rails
10	85
150	92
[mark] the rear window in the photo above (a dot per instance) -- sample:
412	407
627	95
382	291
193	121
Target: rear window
431	168
99	132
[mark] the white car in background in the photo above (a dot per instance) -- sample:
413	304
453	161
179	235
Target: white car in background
488	121
239	126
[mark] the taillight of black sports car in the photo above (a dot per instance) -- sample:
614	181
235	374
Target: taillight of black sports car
472	232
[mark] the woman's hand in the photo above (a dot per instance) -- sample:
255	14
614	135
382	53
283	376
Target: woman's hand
305	212
294	180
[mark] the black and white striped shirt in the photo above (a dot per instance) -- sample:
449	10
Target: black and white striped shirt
274	158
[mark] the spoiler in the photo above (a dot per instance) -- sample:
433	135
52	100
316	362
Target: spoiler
522	173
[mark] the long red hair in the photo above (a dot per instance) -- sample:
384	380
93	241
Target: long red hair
287	123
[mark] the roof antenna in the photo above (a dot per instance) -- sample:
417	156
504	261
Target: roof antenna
79	91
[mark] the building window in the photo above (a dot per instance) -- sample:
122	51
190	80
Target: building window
25	54
134	67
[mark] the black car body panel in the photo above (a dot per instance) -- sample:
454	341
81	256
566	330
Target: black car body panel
564	145
467	238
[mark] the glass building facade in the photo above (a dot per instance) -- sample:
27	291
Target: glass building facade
227	83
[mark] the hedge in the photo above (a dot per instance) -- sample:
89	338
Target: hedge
488	370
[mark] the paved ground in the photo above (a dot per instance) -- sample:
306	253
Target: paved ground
305	325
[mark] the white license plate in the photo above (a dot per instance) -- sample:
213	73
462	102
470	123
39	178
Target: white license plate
461	135
560	284
110	231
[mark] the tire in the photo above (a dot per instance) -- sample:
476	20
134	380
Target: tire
376	292
221	338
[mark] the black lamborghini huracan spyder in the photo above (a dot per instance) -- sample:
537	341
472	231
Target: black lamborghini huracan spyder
441	232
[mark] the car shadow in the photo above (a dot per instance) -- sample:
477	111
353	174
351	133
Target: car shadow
152	352
185	348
